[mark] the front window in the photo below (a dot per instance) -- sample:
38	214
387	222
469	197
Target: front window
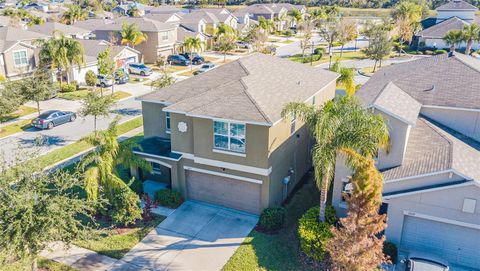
167	120
164	35
293	124
20	58
229	136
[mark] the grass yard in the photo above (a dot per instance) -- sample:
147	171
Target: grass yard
80	94
278	251
43	264
14	128
116	242
20	112
210	59
174	68
368	71
188	73
287	41
358	55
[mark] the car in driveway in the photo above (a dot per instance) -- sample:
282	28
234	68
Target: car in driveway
205	67
52	118
423	264
104	81
194	58
121	77
243	45
139	68
178	60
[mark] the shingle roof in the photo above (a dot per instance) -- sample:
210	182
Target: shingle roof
259	9
161	17
94	47
441	29
442	80
144	24
93	24
196	16
49	27
251	89
10	33
395	101
457	5
164	9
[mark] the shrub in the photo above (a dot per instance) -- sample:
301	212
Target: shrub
124	207
90	78
390	249
428	52
311	58
319	51
2	78
440	52
330	215
272	219
66	87
288	33
313	235
169	198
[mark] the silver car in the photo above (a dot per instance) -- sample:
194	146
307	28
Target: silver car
205	67
104	81
52	118
421	264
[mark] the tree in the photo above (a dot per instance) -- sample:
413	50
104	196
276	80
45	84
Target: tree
73	14
306	28
97	106
134	11
60	52
10	98
379	46
225	44
163	81
336	126
296	16
407	16
38	208
454	38
266	24
192	44
106	65
221	30
355	245
101	178
328	20
91	78
347	32
131	35
471	33
37	88
347	78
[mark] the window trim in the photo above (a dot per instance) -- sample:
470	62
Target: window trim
229	136
168	122
293	124
26	58
165	35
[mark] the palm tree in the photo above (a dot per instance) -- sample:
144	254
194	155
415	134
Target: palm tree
192	44
134	11
222	30
471	33
131	35
454	38
347	77
265	24
60	52
73	14
341	123
296	16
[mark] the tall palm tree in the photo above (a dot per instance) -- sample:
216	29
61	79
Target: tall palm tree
60	52
131	35
134	11
296	16
192	44
222	30
471	33
73	14
342	123
266	24
347	77
454	38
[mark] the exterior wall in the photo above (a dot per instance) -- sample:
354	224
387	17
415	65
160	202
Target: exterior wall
79	74
392	186
464	15
440	44
446	204
181	142
465	122
9	63
153	120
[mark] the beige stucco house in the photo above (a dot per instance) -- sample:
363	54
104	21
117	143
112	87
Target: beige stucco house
219	137
431	192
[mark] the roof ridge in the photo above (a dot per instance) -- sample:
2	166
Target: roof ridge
464	62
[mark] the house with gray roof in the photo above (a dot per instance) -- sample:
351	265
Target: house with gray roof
431	190
277	12
454	15
52	28
220	136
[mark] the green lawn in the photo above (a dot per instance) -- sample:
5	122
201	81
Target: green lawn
116	242
279	251
20	112
336	56
80	94
43	264
14	128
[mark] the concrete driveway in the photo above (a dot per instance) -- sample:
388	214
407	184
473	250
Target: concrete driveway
197	236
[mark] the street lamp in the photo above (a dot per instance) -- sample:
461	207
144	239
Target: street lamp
330	54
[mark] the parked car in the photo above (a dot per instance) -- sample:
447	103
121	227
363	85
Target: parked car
104	81
52	118
243	45
421	264
205	67
139	68
194	57
121	77
178	60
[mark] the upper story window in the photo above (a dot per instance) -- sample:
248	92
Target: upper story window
167	121
20	58
229	136
293	124
165	35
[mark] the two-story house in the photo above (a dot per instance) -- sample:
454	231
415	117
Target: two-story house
431	191
277	12
220	137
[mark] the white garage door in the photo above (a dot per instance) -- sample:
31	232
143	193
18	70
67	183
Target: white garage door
457	245
232	193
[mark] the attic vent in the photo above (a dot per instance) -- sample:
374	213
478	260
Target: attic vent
298	82
431	88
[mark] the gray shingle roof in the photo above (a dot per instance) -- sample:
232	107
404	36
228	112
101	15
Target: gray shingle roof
441	80
395	101
252	89
94	47
457	5
10	33
441	29
49	27
93	24
144	24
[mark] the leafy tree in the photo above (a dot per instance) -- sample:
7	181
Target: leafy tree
10	98
306	28
97	106
266	24
106	65
221	30
407	15
226	43
163	81
134	11
347	77
336	126
61	53
90	78
347	32
73	14
355	245
379	46
38	208
296	16
131	35
454	38
192	44
471	33
37	88
328	20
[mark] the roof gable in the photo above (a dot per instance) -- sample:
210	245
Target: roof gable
441	29
457	5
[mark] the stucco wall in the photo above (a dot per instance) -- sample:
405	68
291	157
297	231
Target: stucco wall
10	69
465	122
464	15
181	141
153	120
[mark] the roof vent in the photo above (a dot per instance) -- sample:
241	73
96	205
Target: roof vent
298	82
431	88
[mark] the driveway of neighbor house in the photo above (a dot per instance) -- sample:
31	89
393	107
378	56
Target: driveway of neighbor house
197	236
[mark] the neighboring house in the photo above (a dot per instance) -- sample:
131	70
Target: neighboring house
184	33
72	31
219	137
120	54
277	12
123	9
172	18
93	24
223	16
431	190
453	15
18	53
161	37
164	9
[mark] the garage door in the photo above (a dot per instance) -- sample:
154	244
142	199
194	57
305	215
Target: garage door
232	193
456	244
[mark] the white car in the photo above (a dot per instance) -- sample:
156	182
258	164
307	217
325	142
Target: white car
205	67
104	81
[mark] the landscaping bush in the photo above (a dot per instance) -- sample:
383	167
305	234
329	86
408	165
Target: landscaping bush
330	215
272	219
311	58
90	78
428	52
66	87
440	52
124	207
169	198
319	51
313	235
390	249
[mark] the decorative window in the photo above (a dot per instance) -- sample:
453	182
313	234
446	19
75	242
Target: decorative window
167	120
165	35
229	136
20	58
156	168
293	124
